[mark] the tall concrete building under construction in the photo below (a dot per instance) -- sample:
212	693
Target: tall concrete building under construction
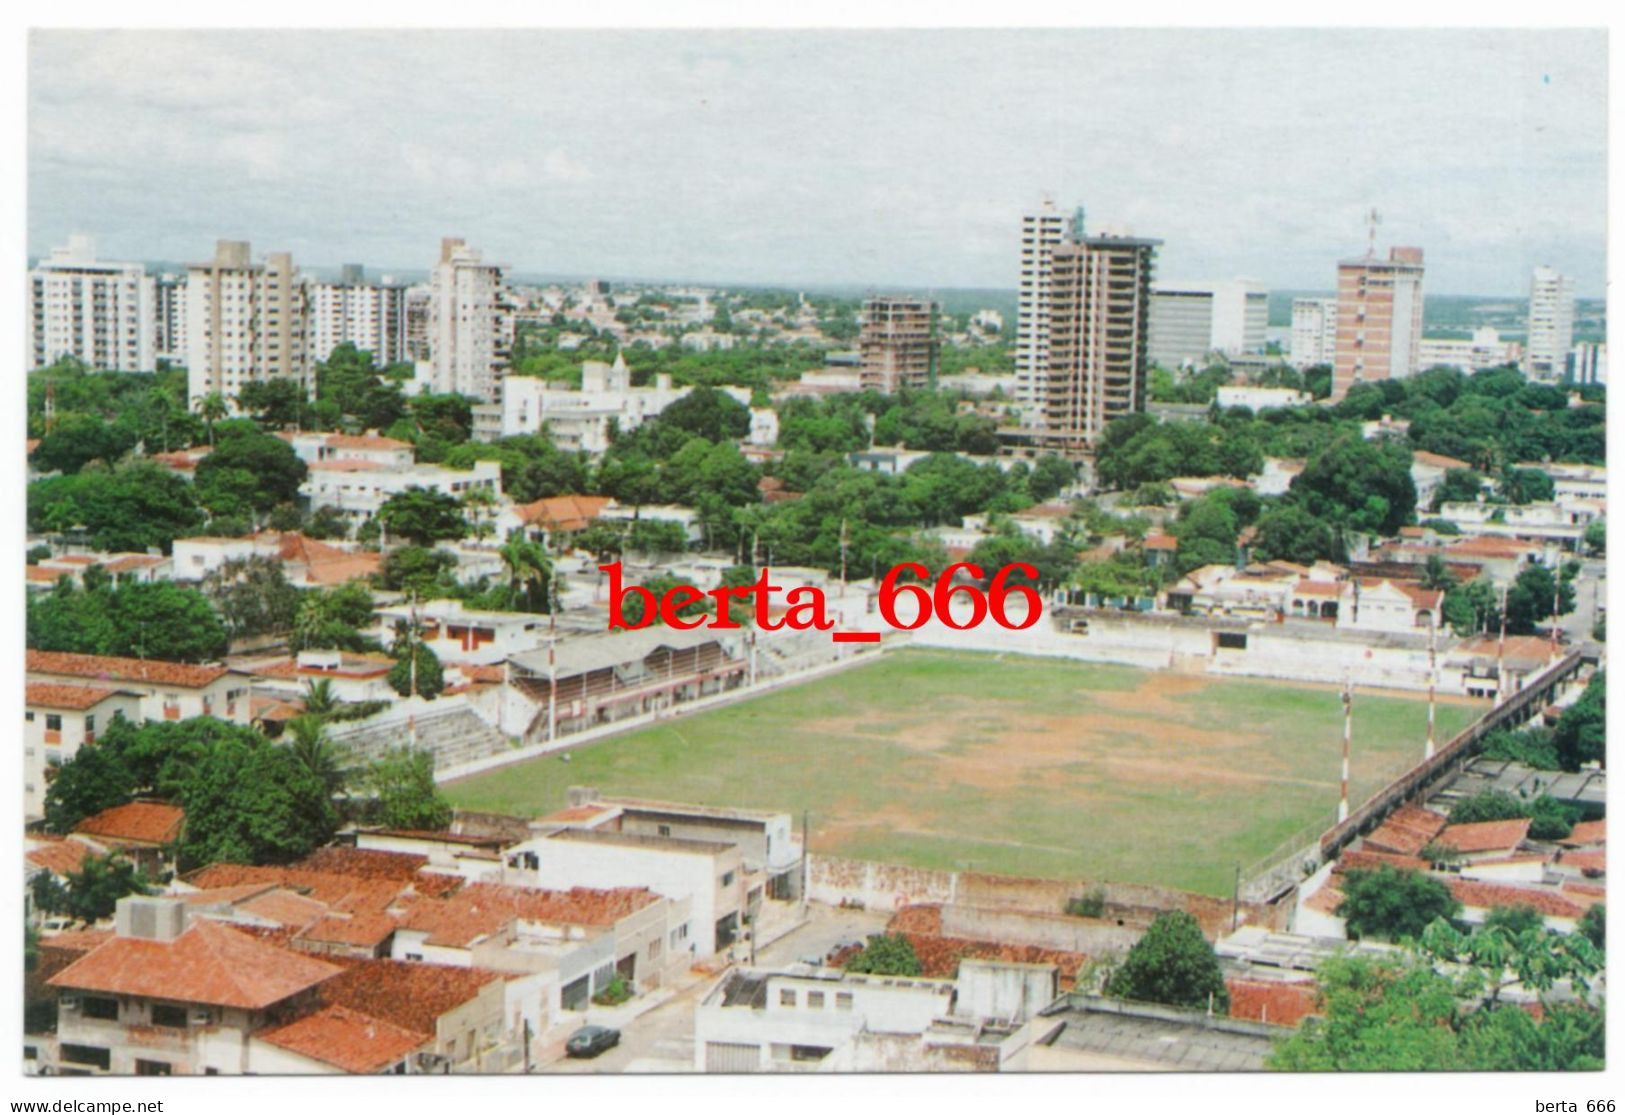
1379	319
1099	315
897	344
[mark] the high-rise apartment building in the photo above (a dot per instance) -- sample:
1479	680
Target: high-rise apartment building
897	344
369	315
1314	331
1551	323
469	342
245	321
97	312
1191	320
169	317
1379	319
1042	231
1099	313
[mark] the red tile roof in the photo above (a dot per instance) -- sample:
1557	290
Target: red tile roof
364	863
1584	894
365	441
1159	541
340	892
110	668
1437	460
1403	835
346	1039
57	854
1326	900
1365	860
138	822
411	996
563	512
75	697
209	963
1486	836
285	907
1491	896
362	930
1587	832
940	956
482	909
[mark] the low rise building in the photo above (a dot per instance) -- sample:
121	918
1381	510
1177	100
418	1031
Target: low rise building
359	488
57	721
163	997
166	690
707	875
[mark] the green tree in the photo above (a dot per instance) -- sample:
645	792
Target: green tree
429	678
1472	607
404	792
1393	904
423	516
132	508
1596	538
249	475
1290	533
1526	485
529	570
316	754
93	780
1172	963
1581	733
249	802
78	439
1377	1014
1594	924
1361	485
158	620
94	890
886	954
710	414
1530	599
332	619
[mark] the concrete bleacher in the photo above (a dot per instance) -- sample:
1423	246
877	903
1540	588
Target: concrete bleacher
453	733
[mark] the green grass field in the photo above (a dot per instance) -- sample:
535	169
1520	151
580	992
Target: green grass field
1017	765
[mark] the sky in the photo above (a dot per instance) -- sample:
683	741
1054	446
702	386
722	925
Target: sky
887	159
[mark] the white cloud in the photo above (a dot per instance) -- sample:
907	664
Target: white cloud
891	158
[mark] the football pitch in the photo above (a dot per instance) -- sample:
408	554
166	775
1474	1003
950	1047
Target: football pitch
1016	765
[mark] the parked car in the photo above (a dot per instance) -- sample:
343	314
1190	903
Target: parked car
590	1041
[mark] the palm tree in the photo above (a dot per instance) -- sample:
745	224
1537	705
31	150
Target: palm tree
211	408
479	505
319	755
320	700
528	564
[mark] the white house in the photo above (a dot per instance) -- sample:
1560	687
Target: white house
57	721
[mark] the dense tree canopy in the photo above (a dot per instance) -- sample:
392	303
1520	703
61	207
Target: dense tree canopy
131	508
1393	904
1172	963
248	475
158	620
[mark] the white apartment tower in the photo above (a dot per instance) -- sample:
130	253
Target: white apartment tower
1042	231
99	313
1551	323
169	318
1314	331
245	321
370	316
468	339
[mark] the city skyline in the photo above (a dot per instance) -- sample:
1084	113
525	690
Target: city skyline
757	158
